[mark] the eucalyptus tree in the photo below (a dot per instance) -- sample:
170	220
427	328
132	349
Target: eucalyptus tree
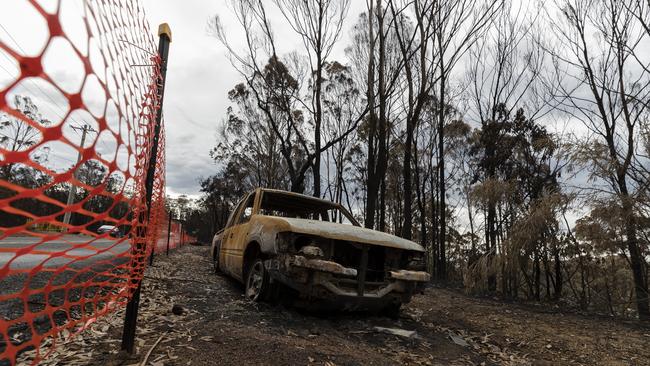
18	135
276	84
600	50
457	25
319	24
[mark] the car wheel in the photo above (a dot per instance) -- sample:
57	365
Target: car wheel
257	282
215	259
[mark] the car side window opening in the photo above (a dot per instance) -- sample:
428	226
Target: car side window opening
233	214
247	211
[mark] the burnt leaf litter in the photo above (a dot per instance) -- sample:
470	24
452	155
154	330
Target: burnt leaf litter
191	316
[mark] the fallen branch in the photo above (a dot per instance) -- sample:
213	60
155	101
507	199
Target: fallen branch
146	357
176	279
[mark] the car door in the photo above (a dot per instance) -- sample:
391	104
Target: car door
225	256
239	235
235	237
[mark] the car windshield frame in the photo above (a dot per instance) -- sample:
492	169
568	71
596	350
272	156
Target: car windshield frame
286	202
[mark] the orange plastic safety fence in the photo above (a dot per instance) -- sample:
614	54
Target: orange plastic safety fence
177	236
78	99
158	213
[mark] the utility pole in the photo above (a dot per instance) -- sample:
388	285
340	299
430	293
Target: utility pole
73	188
131	313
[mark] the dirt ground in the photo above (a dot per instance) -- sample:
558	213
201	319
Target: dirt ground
219	326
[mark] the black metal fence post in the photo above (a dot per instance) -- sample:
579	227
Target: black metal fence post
169	231
131	314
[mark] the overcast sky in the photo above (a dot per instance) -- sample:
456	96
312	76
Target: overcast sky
199	77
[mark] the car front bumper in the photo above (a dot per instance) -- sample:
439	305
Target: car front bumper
323	279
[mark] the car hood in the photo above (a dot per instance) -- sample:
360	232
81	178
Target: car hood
332	230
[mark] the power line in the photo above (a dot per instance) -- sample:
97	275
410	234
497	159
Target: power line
12	38
38	87
74	127
33	82
7	71
78	125
59	157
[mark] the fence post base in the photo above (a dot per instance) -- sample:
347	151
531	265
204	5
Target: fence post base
130	322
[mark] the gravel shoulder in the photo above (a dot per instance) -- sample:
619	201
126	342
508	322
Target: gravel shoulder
218	326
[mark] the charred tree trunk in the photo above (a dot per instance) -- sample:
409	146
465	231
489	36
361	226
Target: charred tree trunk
407	227
382	135
372	182
491	243
442	215
378	125
382	206
536	275
318	118
637	262
434	223
557	291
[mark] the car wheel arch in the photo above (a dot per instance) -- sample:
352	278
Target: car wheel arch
252	252
216	261
213	250
216	242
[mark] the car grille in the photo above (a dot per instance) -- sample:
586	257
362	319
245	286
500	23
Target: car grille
351	255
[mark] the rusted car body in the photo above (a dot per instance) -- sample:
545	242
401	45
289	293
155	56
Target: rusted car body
275	239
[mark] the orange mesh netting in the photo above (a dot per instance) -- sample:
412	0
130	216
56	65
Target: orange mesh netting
158	214
78	99
175	236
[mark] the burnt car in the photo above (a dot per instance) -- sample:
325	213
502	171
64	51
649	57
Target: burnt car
277	240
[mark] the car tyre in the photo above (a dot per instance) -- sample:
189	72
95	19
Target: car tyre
258	286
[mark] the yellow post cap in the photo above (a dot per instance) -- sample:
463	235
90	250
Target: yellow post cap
164	29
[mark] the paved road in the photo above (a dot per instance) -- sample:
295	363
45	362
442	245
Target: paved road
81	264
81	249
